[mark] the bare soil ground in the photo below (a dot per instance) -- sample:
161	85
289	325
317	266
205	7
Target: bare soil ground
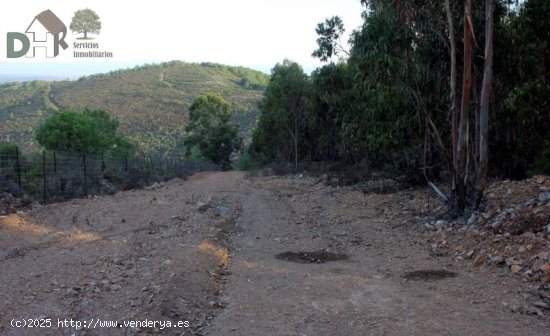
235	255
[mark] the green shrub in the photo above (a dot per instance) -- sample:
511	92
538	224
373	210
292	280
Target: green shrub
247	161
195	153
7	154
85	132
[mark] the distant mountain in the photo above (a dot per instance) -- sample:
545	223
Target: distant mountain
5	78
150	101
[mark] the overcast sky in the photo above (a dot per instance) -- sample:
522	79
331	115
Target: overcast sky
253	33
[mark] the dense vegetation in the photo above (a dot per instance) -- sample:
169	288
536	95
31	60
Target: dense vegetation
85	132
151	102
284	113
426	91
209	130
386	101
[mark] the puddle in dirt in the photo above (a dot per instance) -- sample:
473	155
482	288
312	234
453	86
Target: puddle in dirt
427	275
317	257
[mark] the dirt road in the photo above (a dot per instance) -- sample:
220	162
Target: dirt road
224	254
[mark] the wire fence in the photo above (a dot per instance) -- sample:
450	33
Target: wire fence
53	176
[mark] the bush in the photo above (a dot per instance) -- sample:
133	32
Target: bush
86	132
7	154
195	153
247	161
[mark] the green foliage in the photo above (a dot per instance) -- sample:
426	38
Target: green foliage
122	147
209	130
86	132
195	153
521	113
209	110
7	154
85	21
525	35
367	106
334	124
285	113
19	107
388	103
329	33
521	128
252	79
7	149
529	102
248	161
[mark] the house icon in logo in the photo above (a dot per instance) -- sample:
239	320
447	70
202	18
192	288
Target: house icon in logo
46	31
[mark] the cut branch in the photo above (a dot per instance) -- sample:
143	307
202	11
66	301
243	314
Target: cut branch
438	192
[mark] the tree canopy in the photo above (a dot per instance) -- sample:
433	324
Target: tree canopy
329	40
388	102
85	132
209	129
284	113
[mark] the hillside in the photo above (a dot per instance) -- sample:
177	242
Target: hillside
151	101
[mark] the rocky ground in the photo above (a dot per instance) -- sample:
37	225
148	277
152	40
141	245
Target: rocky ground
512	231
239	255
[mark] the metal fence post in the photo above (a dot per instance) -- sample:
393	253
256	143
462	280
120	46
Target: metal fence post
85	175
54	163
44	176
18	167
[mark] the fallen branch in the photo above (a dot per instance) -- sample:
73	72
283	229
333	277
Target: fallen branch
438	192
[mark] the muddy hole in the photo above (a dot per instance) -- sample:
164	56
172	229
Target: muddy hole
318	257
429	275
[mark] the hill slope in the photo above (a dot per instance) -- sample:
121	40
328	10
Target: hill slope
151	101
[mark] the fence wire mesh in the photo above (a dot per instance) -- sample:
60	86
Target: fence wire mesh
53	176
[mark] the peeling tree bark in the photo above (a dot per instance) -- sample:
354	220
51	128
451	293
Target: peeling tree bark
296	143
453	110
484	103
476	107
462	148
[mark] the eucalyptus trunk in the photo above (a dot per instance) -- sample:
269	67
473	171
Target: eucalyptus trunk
453	80
484	102
462	148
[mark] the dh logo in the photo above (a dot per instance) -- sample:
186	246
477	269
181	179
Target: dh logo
45	31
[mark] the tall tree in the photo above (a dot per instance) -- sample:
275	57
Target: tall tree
284	108
329	41
371	4
209	129
463	130
453	110
484	103
520	90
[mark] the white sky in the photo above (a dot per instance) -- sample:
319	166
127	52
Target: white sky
253	33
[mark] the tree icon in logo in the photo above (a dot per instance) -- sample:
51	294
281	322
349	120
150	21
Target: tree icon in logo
85	21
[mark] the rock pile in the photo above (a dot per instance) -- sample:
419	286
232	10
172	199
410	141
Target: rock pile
512	230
